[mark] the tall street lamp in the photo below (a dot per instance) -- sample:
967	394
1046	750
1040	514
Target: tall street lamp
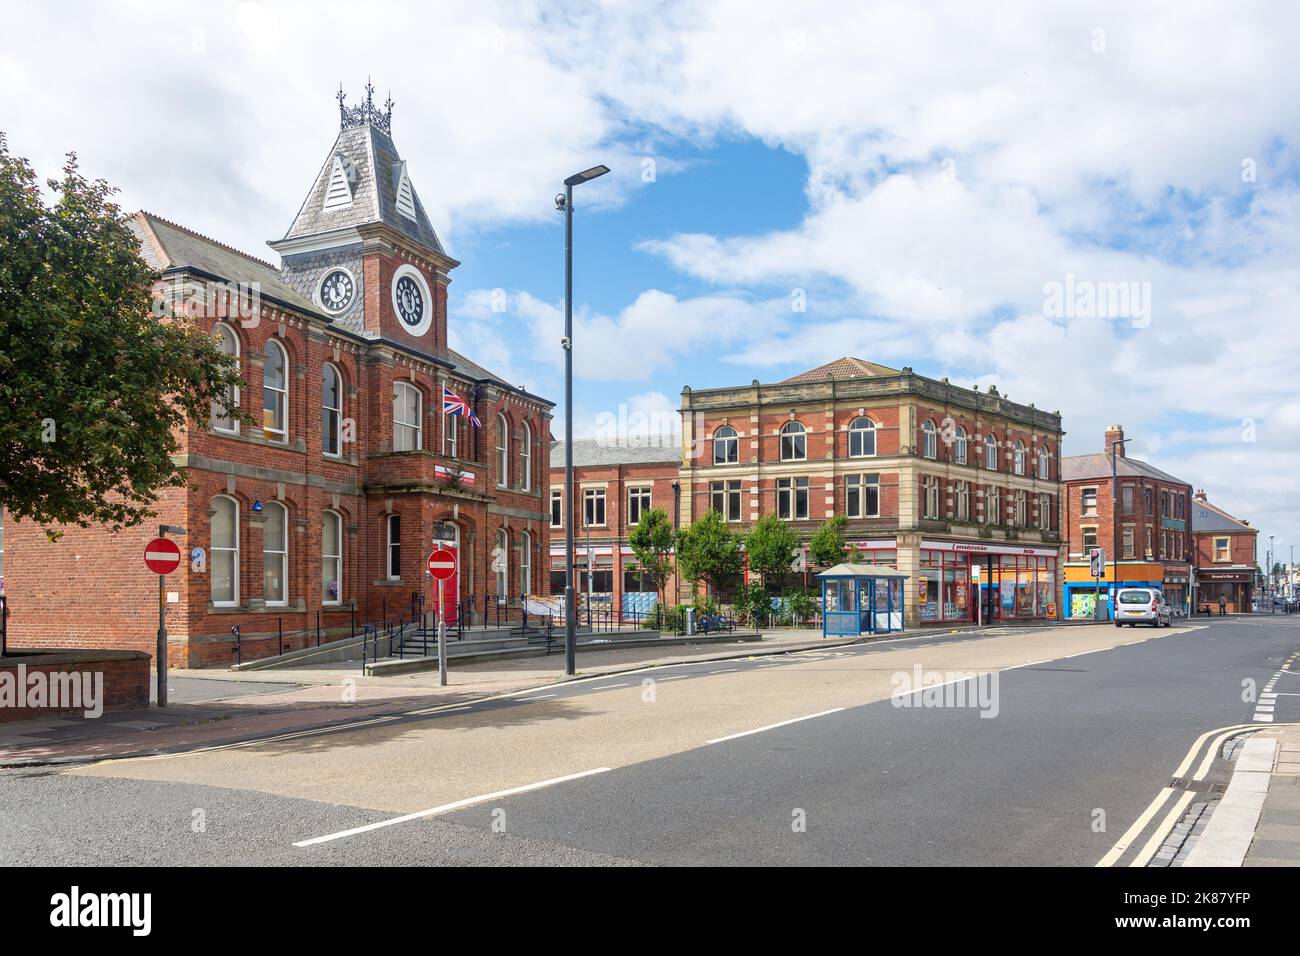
564	203
1114	523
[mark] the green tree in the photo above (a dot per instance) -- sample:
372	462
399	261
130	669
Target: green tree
771	545
95	388
652	542
826	547
708	551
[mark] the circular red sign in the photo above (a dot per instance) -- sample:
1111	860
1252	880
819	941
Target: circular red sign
442	564
162	556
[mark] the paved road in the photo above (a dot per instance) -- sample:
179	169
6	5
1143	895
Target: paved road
1080	726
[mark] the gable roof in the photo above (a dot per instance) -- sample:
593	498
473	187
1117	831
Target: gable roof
380	183
165	246
657	449
1097	465
842	369
1206	517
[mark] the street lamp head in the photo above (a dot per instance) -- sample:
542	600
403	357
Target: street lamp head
560	202
586	175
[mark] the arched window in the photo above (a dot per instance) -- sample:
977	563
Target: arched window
959	446
794	442
503	453
525	458
228	422
1018	458
275	393
526	563
991	452
408	430
501	564
331	400
331	558
862	438
224	548
275	554
726	446
929	440
1044	462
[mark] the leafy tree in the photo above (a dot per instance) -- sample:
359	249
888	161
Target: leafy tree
708	551
652	542
771	545
95	388
826	547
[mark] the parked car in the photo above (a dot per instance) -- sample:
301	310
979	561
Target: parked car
1142	606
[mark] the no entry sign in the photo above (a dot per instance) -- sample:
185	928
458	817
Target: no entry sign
442	564
162	556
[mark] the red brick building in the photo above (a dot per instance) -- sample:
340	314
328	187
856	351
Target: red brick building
333	499
935	479
1225	549
1154	544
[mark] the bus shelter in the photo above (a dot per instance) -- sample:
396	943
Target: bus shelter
861	599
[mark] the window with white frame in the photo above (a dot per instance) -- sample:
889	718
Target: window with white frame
959	446
1222	549
228	422
724	498
862	438
1021	510
794	442
393	547
275	554
993	505
1044	462
929	440
451	435
638	503
593	507
792	498
862	496
331	558
1018	458
991	452
1128	541
501	563
557	508
1089	534
1088	502
930	497
224	547
962	496
275	393
726	446
331	401
525	562
503	451
525	457
407	418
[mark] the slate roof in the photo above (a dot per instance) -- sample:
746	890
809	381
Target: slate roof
374	197
165	245
1097	465
655	449
1206	517
842	369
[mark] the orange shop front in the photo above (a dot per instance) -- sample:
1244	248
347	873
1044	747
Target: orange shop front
1013	583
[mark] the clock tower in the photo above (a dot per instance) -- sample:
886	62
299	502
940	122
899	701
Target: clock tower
362	247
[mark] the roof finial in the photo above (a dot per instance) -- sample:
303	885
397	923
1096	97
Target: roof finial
366	114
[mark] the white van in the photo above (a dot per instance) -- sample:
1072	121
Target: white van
1142	606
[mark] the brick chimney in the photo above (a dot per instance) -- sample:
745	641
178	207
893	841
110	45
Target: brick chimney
1113	434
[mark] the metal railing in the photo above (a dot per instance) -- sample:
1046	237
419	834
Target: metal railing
4	625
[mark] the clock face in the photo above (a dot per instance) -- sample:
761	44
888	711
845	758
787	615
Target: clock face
337	290
412	302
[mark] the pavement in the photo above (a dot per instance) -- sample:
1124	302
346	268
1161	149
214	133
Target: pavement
211	707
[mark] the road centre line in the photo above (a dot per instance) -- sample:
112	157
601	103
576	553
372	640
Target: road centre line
784	723
449	807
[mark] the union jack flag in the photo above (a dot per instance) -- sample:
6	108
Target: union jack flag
453	404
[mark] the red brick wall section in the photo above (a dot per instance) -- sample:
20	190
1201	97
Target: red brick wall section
125	684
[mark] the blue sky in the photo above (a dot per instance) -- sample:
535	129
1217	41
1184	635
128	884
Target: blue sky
923	175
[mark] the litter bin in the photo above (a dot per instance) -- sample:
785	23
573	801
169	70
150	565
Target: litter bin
690	621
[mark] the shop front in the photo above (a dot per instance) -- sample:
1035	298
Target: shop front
1013	583
1235	588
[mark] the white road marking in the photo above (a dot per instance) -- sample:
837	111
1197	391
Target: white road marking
538	697
449	807
759	730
